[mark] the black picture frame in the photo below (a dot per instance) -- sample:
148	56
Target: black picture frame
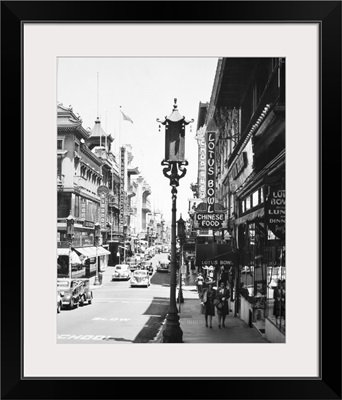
328	15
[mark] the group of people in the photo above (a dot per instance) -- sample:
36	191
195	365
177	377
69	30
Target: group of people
213	300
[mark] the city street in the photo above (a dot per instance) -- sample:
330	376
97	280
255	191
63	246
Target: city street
119	313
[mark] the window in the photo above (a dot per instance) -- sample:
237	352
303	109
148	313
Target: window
77	206
255	198
248	203
59	167
243	208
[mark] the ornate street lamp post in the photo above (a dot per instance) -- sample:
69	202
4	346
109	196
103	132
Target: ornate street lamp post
70	236
174	170
97	234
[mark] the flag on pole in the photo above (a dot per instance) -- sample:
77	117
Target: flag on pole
126	117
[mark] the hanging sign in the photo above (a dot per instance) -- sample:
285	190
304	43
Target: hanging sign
103	191
210	190
215	220
202	161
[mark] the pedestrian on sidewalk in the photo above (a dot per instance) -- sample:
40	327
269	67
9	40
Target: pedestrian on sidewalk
199	283
222	296
207	301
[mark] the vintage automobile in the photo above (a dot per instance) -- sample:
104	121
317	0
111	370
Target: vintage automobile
121	272
59	301
73	290
133	265
148	266
87	296
163	266
140	278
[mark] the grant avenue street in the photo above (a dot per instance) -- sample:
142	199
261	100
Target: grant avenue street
119	313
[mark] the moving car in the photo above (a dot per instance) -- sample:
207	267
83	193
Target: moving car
133	265
147	265
140	278
73	290
121	272
163	266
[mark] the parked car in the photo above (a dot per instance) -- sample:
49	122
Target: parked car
87	296
148	266
163	266
72	289
121	272
140	278
59	301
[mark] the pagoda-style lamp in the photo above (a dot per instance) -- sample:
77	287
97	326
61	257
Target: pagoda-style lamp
97	234
174	170
70	236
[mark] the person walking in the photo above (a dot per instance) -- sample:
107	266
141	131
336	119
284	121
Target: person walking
207	300
279	301
199	283
221	304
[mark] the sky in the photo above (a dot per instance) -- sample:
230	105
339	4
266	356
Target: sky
144	89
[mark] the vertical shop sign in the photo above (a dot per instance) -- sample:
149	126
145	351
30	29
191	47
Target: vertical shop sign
210	190
276	211
122	193
200	136
83	209
103	191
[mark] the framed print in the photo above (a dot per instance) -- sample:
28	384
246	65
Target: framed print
232	60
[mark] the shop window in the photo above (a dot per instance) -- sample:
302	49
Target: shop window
60	143
255	198
261	195
248	203
243	206
276	280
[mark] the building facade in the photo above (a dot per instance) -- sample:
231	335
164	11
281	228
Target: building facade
95	186
246	120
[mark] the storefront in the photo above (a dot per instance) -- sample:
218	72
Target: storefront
92	257
260	238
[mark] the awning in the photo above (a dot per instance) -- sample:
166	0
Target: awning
251	216
65	252
91	252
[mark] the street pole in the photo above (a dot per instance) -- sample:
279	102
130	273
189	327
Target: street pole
69	259
70	235
97	231
174	163
172	332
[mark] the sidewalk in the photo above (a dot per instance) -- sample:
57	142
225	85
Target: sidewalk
192	323
106	277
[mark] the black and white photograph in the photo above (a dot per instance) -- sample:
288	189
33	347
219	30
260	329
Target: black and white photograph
171	200
171	188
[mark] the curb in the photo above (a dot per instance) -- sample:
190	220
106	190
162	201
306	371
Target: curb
159	336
